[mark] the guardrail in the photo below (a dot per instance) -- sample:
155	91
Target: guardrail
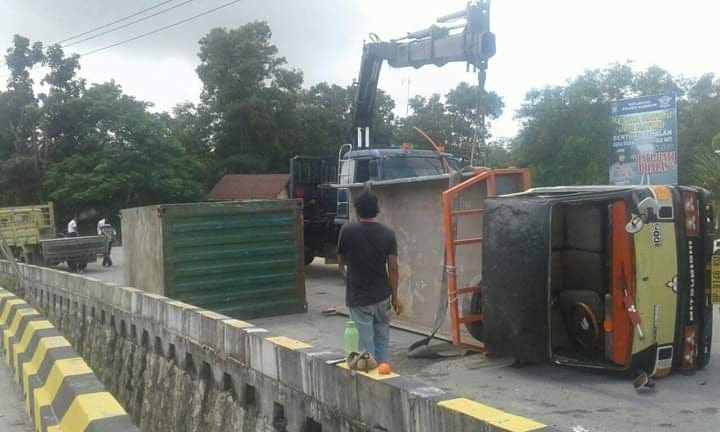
177	367
61	393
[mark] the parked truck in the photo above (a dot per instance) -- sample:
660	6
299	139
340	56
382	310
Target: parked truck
326	208
324	190
30	233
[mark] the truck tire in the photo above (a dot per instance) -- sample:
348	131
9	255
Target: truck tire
472	305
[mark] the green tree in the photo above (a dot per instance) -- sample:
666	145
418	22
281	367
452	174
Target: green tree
251	99
699	123
326	113
190	126
19	112
455	121
129	158
565	130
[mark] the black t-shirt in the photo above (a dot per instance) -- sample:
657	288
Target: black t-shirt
365	247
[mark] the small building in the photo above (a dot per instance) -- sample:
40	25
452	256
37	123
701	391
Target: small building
250	186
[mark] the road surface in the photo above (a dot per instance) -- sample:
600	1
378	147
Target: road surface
572	399
12	413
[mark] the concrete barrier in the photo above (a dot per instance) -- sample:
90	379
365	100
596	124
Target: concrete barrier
60	390
176	367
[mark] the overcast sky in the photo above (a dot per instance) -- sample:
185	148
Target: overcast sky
539	42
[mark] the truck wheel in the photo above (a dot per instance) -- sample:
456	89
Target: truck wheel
472	305
309	256
72	265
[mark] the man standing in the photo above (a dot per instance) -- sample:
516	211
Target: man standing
72	228
101	223
369	249
107	230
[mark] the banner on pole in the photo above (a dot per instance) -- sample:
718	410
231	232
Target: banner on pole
644	141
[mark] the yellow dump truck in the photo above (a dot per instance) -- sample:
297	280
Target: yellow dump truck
23	228
30	233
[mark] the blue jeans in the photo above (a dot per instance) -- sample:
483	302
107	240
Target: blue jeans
373	324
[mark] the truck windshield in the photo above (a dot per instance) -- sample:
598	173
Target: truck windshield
403	167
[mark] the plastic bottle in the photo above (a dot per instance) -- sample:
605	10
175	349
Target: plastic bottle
352	337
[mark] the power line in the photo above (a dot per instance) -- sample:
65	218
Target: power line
160	29
129	24
114	22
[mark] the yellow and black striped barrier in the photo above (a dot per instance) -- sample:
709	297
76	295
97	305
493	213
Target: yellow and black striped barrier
61	392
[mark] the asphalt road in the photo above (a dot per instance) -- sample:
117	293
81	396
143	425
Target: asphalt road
572	399
12	414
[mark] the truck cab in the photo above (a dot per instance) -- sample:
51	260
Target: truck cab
319	183
602	277
363	165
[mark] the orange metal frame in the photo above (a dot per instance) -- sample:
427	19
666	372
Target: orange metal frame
451	243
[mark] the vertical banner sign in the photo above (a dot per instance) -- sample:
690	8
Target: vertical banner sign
644	141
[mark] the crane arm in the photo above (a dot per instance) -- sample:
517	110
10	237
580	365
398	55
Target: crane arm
471	42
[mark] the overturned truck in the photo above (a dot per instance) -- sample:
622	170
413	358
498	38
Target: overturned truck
603	277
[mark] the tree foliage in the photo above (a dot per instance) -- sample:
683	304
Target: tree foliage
93	147
454	121
566	130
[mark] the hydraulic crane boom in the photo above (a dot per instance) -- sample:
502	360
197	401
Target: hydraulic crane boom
470	42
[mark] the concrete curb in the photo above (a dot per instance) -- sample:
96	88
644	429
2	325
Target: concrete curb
303	383
61	392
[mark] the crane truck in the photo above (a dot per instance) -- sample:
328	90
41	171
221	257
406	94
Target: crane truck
463	36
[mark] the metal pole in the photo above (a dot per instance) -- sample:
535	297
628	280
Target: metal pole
7	252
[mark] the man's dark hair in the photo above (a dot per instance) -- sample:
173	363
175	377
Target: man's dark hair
366	204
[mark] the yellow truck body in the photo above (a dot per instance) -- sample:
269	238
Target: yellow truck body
24	227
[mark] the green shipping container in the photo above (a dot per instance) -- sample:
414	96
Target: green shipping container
243	259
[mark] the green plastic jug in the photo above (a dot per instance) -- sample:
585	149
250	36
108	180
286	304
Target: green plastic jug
352	337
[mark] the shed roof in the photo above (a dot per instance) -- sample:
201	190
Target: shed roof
249	186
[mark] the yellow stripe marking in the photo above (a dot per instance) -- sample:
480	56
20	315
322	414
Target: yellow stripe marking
43	396
153	295
30	330
237	323
7	307
33	366
288	343
493	416
89	407
7	334
212	315
372	374
4	293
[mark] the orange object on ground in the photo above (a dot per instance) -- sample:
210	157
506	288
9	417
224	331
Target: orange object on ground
384	369
622	281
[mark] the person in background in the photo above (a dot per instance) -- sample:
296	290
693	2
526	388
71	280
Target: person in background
369	249
100	224
72	227
107	230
